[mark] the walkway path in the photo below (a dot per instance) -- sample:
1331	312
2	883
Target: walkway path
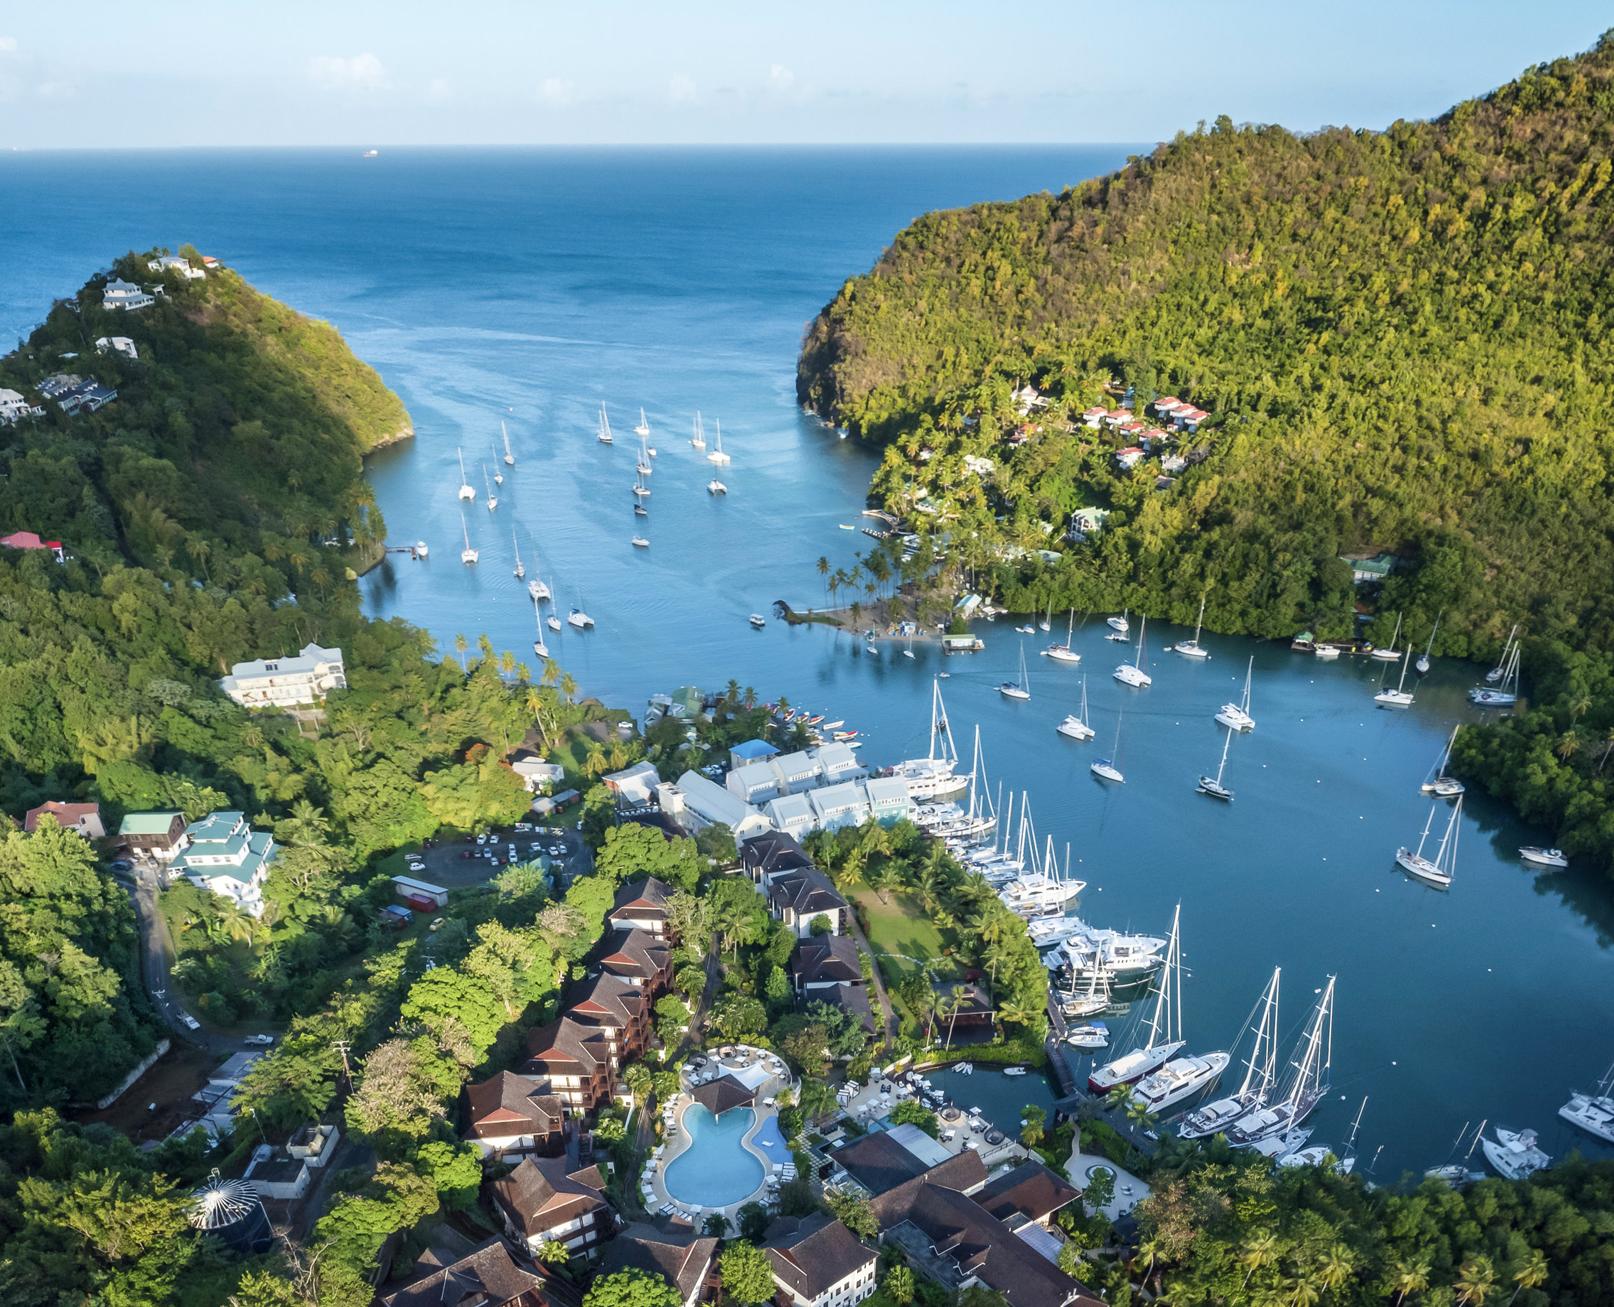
877	980
1129	1190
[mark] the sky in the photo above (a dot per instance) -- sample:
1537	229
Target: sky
168	73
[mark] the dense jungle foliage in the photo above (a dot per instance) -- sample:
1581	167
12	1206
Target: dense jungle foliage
1401	338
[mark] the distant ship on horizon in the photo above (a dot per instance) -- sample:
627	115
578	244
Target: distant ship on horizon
371	154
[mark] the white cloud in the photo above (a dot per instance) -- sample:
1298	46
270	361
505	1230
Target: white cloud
557	91
681	90
780	77
361	72
8	45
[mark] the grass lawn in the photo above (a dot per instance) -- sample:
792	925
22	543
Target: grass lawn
901	935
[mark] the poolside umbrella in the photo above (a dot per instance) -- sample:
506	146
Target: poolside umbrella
723	1095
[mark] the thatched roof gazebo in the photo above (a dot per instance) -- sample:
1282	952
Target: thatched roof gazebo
723	1094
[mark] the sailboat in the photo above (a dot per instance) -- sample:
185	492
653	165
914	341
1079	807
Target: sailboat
509	458
1105	768
578	618
1212	785
1020	689
1457	1173
640	490
538	645
1504	694
1439	871
1096	998
1500	670
1593	1113
1422	665
716	487
1132	673
1260	1073
1311	1065
908	651
642	467
1063	653
1438	782
698	440
640	542
1389	654
1236	716
1075	724
493	499
950	821
1192	648
553	620
1047	619
603	434
1120	625
520	568
1400	697
935	776
498	476
643	429
717	455
1164	1040
467	555
467	491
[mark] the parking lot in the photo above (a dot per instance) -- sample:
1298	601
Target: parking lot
473	859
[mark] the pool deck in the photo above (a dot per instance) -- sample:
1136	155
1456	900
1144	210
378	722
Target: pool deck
959	1128
678	1139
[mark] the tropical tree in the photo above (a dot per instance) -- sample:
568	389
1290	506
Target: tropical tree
1531	1273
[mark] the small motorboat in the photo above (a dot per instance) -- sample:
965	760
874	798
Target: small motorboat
1120	624
1544	857
1095	1035
639	542
1020	1071
757	620
716	487
1326	652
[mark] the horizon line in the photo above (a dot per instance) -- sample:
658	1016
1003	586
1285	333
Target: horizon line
591	145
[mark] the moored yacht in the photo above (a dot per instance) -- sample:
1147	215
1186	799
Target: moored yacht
1260	1074
1593	1113
1120	624
1439	782
468	556
1020	689
1212	785
466	490
1388	654
717	455
716	487
1438	871
537	588
1306	1087
1088	1038
1236	716
602	431
1180	1079
1400	697
1075	726
935	776
1164	1039
1514	1153
1132	673
509	458
581	620
1192	648
698	440
1064	653
1540	857
1124	957
1504	692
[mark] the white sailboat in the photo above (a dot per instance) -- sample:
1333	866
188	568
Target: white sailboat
717	455
1311	1066
643	429
467	491
1212	785
553	621
1164	1039
698	440
1120	625
1064	653
1260	1073
1095	999
1020	689
603	432
467	555
1192	648
538	588
520	568
1514	1153
493	499
1075	725
907	651
640	542
498	475
716	487
642	467
1236	716
1593	1113
578	618
509	458
1108	769
1437	872
1400	697
1046	624
935	776
640	490
1500	670
538	645
1388	654
1422	665
1132	673
1505	692
1438	782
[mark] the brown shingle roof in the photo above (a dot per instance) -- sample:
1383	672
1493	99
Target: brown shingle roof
485	1277
543	1192
964	1171
510	1104
1030	1190
815	1253
638	952
808	891
681	1256
723	1094
827	958
648	893
570	1040
609	998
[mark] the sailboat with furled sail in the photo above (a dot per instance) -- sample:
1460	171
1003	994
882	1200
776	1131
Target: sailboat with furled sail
717	455
1065	653
509	458
1311	1067
1388	654
935	776
467	491
1400	697
1109	769
493	499
643	429
1075	725
520	568
698	440
1260	1072
603	431
468	556
538	645
1132	673
1439	782
1020	689
498	473
1193	648
1164	1039
1439	870
1212	785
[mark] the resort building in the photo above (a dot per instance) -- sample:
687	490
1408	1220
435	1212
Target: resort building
696	802
536	774
85	818
818	1262
636	784
553	1200
286	682
27	542
159	835
117	345
620	1009
825	962
574	1061
508	1114
487	1276
764	856
793	814
642	905
685	1259
1027	1195
640	958
751	751
73	394
226	856
174	263
14	408
793	773
799	898
122	296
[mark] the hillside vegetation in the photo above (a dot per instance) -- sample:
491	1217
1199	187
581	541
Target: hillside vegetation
1401	336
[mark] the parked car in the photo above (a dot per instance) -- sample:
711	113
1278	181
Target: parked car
481	839
262	1041
120	864
190	1022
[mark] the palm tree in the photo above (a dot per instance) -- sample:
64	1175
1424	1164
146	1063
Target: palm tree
1531	1273
461	644
1260	1251
1118	1098
1138	1113
1335	1267
1475	1279
1410	1275
1568	745
1608	748
1306	1293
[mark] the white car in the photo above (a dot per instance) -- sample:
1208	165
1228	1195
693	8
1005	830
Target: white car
481	839
190	1022
262	1041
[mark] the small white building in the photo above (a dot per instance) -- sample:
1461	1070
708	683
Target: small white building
889	798
635	784
174	263
124	297
13	408
286	682
792	813
537	774
117	345
835	806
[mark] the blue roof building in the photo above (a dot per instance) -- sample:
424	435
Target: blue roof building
751	751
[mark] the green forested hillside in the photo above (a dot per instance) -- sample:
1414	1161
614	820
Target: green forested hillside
1401	336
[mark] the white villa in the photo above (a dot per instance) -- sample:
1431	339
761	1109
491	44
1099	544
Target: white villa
226	856
13	408
123	296
174	263
794	773
117	345
286	682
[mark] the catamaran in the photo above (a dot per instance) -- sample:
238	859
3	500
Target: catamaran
1312	1066
467	491
509	458
520	568
581	620
1439	871
1132	673
1438	782
1192	648
1388	654
716	487
1236	716
1514	1153
538	588
1075	724
1063	653
467	555
1400	697
538	645
717	455
1120	624
698	440
1164	1040
1020	689
1260	1073
493	499
935	776
1505	693
603	431
498	474
1593	1113
1106	769
1212	785
640	490
643	429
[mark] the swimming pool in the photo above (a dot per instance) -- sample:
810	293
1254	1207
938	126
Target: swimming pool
716	1169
